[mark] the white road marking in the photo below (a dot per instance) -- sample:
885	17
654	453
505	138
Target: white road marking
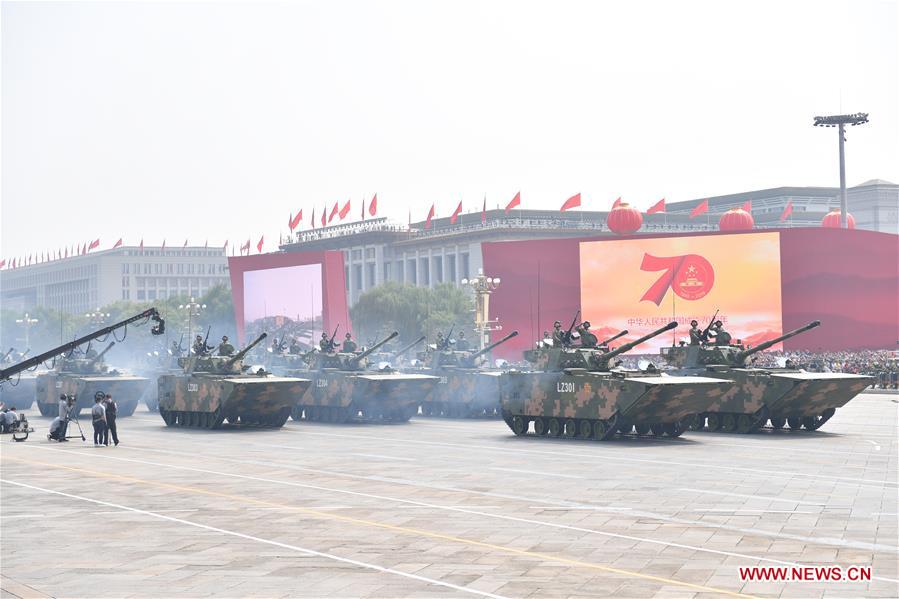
722	511
765	497
609	456
25	516
876	446
383	457
536	473
811	540
232	533
585	507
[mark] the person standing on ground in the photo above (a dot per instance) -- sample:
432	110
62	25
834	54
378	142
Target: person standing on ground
111	412
98	415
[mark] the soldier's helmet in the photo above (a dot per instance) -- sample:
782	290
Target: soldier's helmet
324	335
348	336
224	338
557	323
199	337
461	334
719	324
694	323
586	324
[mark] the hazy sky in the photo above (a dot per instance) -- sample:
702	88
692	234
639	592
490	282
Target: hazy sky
216	120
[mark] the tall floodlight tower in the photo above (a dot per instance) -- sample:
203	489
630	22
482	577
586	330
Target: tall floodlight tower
483	286
841	120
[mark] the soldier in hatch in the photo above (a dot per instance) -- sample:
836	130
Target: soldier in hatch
588	339
225	348
349	345
559	336
462	342
695	333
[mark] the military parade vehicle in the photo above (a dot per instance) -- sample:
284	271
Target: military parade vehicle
466	388
83	376
579	392
776	396
345	390
212	389
18	393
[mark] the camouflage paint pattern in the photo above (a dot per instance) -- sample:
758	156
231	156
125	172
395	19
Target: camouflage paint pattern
20	391
125	389
764	394
462	393
342	396
206	400
637	398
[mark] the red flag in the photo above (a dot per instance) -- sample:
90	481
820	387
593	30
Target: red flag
657	207
13	263
747	206
2	263
94	244
67	253
572	202
788	210
373	206
516	201
702	208
245	247
141	245
333	213
259	245
295	221
430	216
117	243
185	243
344	211
456	213
484	212
616	203
325	213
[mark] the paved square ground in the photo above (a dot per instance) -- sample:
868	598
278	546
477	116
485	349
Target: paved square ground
446	508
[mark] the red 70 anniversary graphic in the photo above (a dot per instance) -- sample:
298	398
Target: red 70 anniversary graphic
690	276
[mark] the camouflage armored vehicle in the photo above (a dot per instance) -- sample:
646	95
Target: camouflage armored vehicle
82	377
579	392
345	390
759	396
466	388
213	389
19	392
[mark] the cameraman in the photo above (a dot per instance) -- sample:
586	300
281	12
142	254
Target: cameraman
65	401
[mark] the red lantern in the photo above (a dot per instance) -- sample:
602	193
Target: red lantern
831	220
625	219
736	219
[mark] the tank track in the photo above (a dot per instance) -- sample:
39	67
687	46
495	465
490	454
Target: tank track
587	428
215	420
726	422
341	415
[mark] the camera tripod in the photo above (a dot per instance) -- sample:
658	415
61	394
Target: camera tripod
71	417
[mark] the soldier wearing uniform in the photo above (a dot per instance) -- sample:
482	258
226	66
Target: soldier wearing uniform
718	333
558	334
225	348
349	345
695	333
588	339
324	343
441	342
295	346
200	346
176	350
462	342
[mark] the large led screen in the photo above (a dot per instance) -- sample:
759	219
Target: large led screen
285	302
642	284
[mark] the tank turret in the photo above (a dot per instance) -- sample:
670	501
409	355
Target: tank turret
219	364
350	361
734	356
471	359
560	358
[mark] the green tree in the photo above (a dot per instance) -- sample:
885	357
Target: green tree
412	311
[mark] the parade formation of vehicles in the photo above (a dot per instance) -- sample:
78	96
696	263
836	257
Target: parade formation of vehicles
564	390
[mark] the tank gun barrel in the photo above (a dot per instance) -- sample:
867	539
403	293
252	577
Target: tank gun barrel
408	347
629	346
374	347
99	356
613	338
240	355
481	352
741	356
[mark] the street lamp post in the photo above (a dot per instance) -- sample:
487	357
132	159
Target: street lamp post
840	121
193	309
97	318
483	286
27	322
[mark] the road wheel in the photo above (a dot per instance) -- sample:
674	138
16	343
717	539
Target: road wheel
696	422
554	428
599	430
641	428
519	425
713	421
570	428
778	423
744	423
585	429
540	426
674	429
728	423
657	429
794	422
